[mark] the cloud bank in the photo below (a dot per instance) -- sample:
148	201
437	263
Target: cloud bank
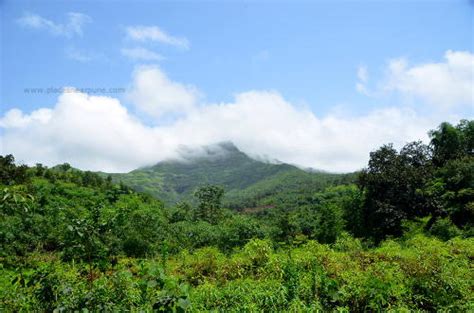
100	133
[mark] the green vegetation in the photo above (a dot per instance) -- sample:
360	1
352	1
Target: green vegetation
398	238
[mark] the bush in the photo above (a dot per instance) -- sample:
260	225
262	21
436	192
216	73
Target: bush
444	229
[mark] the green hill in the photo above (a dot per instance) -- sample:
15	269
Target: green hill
248	182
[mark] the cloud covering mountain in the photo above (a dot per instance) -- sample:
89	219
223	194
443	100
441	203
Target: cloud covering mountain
102	133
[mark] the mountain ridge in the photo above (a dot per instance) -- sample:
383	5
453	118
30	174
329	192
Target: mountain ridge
246	180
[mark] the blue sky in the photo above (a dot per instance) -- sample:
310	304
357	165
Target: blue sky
311	53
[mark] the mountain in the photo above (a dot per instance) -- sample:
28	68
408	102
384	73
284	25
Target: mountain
248	182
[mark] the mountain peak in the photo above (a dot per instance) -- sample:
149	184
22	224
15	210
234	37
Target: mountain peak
221	150
228	146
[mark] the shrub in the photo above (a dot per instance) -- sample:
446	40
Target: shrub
444	229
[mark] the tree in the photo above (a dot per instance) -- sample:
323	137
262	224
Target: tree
40	169
452	189
346	202
456	194
182	212
11	174
65	167
392	184
237	231
452	142
331	223
323	217
210	202
466	128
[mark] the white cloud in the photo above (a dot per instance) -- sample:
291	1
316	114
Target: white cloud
363	78
141	54
98	133
362	74
87	131
444	85
154	33
264	123
73	26
154	93
362	88
16	119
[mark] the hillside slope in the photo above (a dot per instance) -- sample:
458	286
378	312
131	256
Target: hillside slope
247	182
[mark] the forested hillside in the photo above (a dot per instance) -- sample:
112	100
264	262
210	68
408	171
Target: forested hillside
398	238
248	182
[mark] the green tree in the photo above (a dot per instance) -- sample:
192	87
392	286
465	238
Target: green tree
65	167
182	212
452	189
210	203
237	231
10	173
392	183
452	142
456	195
40	169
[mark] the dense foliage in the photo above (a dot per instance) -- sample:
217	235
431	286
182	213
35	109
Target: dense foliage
400	239
420	180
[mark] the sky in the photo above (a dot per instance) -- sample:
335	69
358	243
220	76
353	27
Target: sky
115	85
